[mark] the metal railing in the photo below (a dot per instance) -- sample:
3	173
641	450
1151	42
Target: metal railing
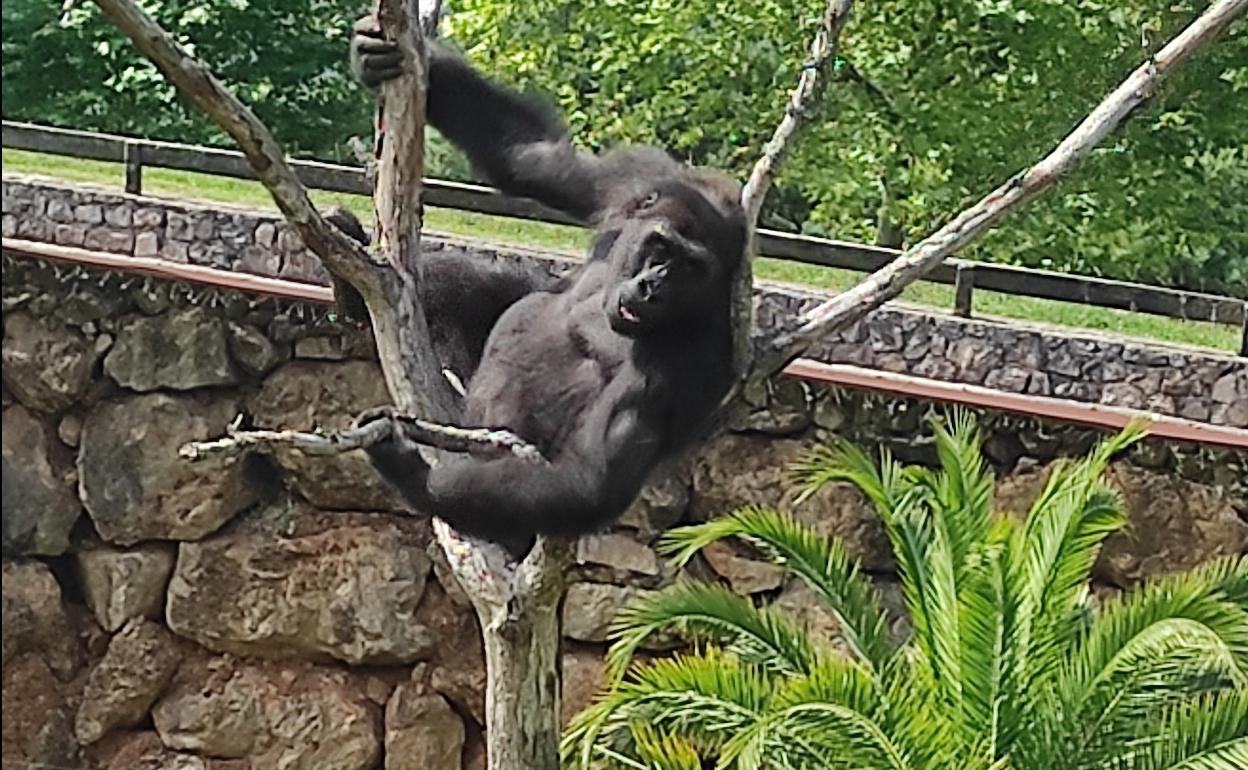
964	275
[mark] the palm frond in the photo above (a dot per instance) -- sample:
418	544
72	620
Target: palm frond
659	751
822	563
704	698
962	491
1209	732
712	612
884	484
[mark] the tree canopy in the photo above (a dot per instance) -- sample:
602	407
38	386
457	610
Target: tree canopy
935	101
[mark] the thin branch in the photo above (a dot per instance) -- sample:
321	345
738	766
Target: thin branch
888	282
445	437
797	113
800	109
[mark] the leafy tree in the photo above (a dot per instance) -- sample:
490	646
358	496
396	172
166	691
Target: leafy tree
1010	664
939	99
285	58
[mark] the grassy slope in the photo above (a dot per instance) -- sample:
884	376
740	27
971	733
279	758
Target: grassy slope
179	184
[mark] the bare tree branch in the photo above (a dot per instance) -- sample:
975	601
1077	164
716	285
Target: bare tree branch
888	282
445	437
800	109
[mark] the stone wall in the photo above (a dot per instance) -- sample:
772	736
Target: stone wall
277	613
1045	361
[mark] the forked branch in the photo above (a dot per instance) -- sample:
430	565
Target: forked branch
778	349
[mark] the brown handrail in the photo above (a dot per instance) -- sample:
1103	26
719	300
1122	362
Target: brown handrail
841	375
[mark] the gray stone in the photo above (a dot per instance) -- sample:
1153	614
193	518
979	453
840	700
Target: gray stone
134	484
38	718
289	715
46	365
661	503
618	552
253	351
178	227
147	245
181	350
144	751
308	395
114	241
39	504
89	213
1228	387
320	348
122	584
350	593
745	574
124	685
589	608
149	217
119	215
266	235
70	235
175	252
1011	378
69	429
60	211
35	621
1122	394
422	731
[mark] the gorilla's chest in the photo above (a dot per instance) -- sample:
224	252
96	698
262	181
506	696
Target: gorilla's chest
547	363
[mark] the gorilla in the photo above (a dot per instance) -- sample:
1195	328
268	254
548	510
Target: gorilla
607	371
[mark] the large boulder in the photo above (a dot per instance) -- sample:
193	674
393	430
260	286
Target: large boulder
136	487
290	715
37	719
40	501
1173	524
47	365
583	673
307	395
35	621
122	687
180	350
144	751
457	668
120	584
735	471
422	731
349	592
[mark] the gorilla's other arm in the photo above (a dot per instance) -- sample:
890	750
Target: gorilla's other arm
515	141
508	500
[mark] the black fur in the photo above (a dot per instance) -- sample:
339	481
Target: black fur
608	372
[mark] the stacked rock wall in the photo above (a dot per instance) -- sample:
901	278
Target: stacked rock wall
278	613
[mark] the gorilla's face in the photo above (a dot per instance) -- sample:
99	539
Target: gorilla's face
672	258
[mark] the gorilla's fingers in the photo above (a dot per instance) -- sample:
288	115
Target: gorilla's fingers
373	46
367	26
382	62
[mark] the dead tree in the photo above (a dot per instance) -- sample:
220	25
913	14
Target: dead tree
518	603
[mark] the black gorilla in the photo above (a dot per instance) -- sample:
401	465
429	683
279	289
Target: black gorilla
610	370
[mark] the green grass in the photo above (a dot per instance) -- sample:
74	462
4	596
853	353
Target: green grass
182	184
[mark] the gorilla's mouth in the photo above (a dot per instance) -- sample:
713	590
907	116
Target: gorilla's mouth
627	314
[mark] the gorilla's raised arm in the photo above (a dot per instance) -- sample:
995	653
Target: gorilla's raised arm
516	141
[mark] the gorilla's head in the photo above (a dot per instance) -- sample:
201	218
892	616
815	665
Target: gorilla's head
672	246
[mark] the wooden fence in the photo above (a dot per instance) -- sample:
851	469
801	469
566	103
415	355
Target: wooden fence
965	275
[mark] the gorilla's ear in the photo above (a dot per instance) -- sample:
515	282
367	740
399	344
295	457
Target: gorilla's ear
721	190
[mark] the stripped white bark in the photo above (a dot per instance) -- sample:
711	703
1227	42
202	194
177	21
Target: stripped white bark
799	110
448	438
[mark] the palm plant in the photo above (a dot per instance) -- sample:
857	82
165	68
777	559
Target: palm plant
1009	665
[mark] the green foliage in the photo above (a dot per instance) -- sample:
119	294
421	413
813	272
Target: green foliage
1008	666
940	102
286	59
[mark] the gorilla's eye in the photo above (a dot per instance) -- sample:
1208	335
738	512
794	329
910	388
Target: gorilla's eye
648	201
